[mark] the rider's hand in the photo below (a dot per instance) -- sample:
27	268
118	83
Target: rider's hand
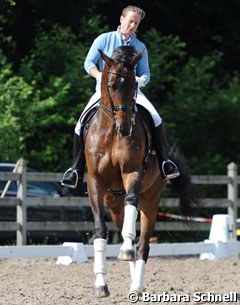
99	77
141	81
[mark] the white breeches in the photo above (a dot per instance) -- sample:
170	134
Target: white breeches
141	100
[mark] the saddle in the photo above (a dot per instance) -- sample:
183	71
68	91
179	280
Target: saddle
148	126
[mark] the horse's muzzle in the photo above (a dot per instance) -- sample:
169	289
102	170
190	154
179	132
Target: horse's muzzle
124	130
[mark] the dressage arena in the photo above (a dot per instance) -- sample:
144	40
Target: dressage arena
42	282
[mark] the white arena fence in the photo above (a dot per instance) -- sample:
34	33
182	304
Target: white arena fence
230	204
79	253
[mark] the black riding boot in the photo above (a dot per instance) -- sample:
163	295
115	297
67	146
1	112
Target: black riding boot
168	168
74	175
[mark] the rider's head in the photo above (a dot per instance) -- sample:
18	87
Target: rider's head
130	19
135	9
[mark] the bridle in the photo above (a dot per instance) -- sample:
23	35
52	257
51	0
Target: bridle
113	109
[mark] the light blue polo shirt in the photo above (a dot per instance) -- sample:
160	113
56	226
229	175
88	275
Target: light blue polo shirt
108	42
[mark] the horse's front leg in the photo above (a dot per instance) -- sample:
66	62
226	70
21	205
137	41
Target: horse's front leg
100	288
131	184
127	250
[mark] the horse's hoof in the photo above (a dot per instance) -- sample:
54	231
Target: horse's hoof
101	291
138	292
127	255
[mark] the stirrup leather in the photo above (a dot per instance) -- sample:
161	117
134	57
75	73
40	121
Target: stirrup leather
172	175
74	172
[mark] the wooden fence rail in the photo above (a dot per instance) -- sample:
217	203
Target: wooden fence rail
22	202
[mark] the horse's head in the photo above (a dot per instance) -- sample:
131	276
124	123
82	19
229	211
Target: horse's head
119	85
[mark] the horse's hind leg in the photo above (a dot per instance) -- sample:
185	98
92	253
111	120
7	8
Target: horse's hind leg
149	203
137	271
138	268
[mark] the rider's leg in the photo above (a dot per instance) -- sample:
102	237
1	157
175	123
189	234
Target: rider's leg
74	175
168	168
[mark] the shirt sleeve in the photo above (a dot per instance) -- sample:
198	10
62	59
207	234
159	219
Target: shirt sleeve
93	55
143	69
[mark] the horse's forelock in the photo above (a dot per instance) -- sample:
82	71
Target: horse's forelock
124	54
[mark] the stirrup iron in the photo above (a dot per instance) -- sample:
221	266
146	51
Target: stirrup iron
175	173
73	172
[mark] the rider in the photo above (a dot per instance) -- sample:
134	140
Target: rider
124	35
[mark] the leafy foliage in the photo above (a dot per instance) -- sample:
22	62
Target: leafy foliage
165	53
14	96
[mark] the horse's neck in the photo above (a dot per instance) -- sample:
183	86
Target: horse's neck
104	116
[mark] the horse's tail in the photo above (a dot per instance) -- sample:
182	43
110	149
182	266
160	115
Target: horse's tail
188	193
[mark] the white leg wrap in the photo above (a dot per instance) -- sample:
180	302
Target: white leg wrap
138	277
129	223
132	269
100	264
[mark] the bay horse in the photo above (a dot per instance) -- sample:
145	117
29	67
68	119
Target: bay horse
122	174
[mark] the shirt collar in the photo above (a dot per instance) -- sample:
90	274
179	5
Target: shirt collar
129	39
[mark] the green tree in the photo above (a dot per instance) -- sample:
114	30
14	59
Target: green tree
165	54
54	89
15	94
55	65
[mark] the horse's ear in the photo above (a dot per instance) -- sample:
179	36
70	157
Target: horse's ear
136	58
107	59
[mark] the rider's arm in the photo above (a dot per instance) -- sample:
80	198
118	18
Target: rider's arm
143	70
93	56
